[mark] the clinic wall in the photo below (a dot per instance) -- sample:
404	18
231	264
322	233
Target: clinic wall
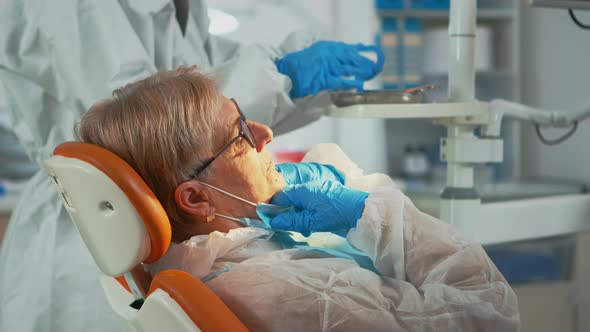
555	73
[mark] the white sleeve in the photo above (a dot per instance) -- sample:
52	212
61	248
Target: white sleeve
249	74
380	232
332	154
252	78
451	275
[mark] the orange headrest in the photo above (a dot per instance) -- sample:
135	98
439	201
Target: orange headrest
126	178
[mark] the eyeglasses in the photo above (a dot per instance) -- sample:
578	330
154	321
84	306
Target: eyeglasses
245	133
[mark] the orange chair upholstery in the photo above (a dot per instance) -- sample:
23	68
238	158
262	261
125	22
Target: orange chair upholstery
124	225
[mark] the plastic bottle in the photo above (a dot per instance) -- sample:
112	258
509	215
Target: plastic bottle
412	53
416	165
390	46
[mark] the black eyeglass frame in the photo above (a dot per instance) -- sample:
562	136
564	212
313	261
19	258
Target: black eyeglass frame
245	133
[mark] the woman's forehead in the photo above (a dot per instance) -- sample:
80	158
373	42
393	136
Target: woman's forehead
228	116
228	110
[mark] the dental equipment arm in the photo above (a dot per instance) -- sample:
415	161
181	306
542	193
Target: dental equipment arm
575	4
499	108
538	116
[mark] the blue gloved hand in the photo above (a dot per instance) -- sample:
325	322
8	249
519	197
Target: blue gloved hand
323	65
298	173
320	207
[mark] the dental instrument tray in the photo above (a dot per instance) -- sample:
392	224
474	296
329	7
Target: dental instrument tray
408	96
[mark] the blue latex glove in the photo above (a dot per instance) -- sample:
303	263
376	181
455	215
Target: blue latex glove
320	207
298	173
323	65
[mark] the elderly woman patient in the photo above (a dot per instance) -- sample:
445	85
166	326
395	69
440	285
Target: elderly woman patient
398	269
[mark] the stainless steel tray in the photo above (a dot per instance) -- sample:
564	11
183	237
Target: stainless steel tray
409	96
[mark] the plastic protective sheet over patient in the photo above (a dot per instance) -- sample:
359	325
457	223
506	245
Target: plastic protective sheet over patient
430	279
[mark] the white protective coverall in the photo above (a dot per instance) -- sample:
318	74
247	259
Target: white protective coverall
57	58
431	279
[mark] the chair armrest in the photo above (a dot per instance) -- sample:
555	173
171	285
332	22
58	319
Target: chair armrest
199	302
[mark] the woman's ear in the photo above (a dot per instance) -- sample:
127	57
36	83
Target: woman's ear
192	198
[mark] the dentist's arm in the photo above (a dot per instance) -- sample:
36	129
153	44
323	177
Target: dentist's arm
266	80
434	264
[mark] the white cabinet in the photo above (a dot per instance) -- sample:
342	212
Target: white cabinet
546	307
560	306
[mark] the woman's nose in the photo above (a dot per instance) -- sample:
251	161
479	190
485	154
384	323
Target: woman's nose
262	134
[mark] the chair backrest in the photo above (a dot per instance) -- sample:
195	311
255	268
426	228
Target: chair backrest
123	225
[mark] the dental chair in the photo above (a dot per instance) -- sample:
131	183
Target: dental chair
124	226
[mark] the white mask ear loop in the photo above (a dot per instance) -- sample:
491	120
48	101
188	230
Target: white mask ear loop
228	194
227	217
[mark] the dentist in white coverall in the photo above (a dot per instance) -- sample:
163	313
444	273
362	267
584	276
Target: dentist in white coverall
57	58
